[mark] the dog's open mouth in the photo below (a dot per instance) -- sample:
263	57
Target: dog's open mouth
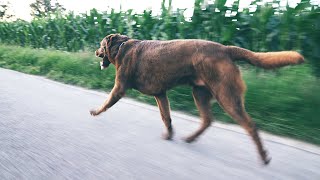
101	65
104	64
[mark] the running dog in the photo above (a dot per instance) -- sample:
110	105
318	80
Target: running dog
153	67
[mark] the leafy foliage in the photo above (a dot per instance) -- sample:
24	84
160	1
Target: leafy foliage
269	27
4	6
43	8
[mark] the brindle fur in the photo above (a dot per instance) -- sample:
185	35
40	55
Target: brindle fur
153	67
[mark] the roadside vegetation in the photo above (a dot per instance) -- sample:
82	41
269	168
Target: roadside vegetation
60	46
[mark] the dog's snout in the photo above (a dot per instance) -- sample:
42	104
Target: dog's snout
99	53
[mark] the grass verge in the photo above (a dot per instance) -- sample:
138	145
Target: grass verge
284	102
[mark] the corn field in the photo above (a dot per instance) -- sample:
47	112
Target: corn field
268	28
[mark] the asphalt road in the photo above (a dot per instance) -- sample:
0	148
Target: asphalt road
46	132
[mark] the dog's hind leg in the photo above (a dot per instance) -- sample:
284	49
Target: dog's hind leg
164	106
202	97
229	94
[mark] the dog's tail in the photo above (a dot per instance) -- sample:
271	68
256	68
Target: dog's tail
266	60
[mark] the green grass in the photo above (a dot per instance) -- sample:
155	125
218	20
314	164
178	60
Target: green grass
284	102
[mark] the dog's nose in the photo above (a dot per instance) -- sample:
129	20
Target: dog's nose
99	53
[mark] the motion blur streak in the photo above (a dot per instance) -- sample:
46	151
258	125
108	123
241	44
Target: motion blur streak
47	132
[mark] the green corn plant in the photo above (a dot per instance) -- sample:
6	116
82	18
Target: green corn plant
270	27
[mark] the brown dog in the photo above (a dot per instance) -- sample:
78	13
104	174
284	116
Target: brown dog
153	67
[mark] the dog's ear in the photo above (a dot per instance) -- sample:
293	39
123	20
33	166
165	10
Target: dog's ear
111	39
113	43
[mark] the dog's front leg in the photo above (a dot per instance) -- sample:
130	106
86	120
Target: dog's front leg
116	94
163	104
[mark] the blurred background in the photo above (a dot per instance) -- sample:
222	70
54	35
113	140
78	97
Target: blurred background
57	38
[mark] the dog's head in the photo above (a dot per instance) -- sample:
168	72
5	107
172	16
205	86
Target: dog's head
109	47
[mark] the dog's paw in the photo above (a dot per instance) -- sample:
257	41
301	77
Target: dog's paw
189	139
266	158
267	161
167	136
94	113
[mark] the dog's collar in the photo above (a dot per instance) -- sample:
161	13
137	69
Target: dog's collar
124	43
120	47
121	44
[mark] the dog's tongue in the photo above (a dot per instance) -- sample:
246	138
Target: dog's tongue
101	65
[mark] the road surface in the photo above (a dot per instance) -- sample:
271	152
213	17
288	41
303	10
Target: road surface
46	132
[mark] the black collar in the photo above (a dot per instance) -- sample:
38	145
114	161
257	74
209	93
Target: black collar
121	45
